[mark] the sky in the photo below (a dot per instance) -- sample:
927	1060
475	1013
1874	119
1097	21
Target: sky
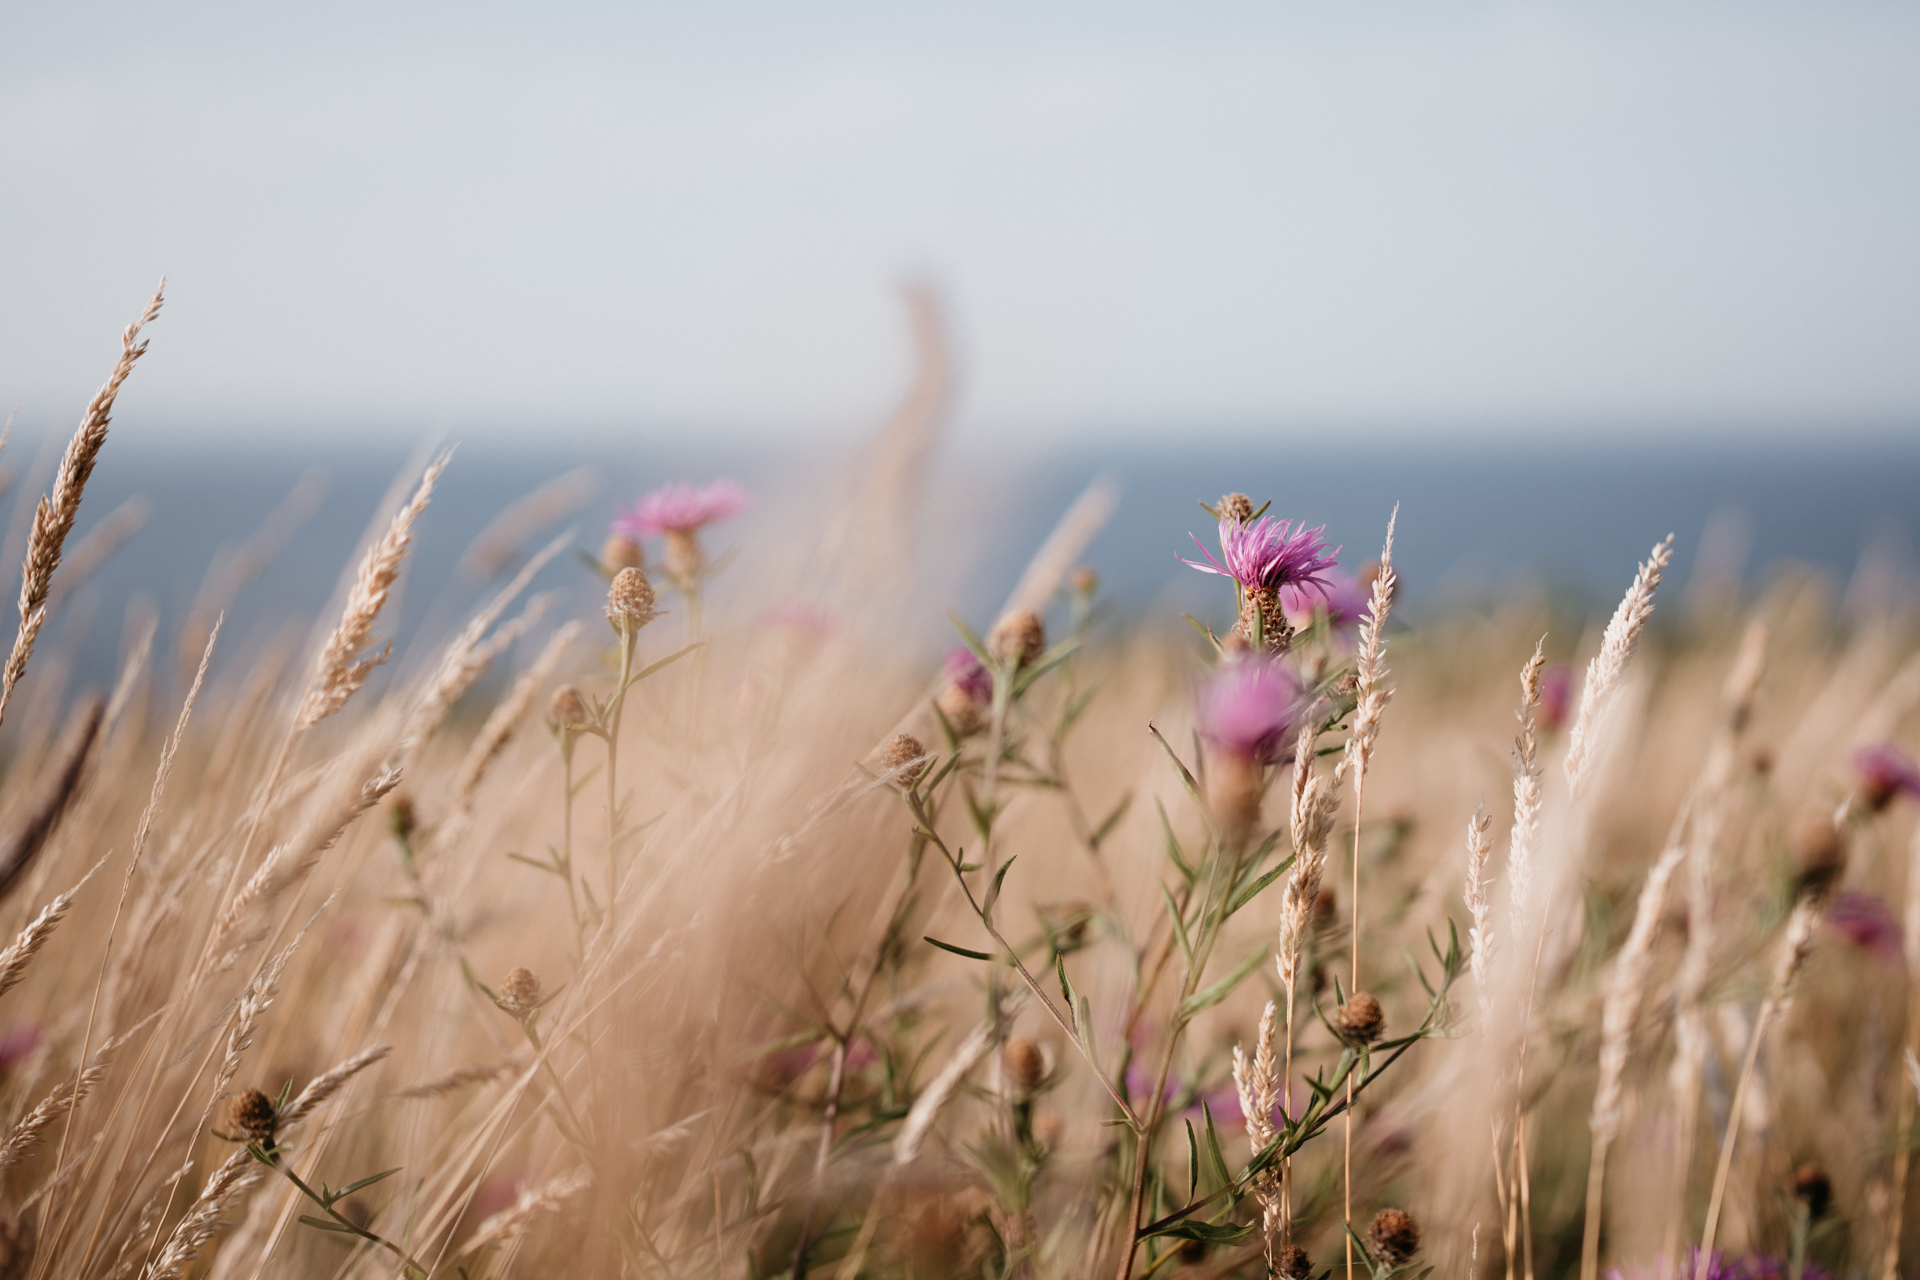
1142	218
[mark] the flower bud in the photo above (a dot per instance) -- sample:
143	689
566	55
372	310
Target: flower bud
1819	857
1025	1064
904	758
621	552
254	1117
1395	1236
1294	1264
520	992
1018	638
1237	507
1360	1020
631	597
567	709
683	558
1812	1186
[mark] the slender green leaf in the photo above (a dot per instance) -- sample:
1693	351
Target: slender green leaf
1173	844
1214	1157
324	1224
1112	820
1193	1162
667	661
1179	925
352	1187
1060	970
972	641
1186	778
993	891
1252	891
1205	1232
959	951
1213	995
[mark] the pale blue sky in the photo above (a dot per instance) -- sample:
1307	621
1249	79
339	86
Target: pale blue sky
1439	215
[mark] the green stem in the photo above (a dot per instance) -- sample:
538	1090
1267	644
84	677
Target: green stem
271	1158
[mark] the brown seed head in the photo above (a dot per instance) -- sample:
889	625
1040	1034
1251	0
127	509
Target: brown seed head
1819	857
1084	581
1019	638
1360	1019
1293	1264
963	711
1395	1236
621	552
1811	1184
683	557
520	992
1026	1066
904	753
631	597
254	1117
566	708
1237	507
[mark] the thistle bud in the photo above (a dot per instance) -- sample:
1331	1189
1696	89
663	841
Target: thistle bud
1237	507
1819	857
1018	638
683	558
400	817
1293	1264
567	709
1812	1187
1025	1064
1360	1020
1395	1236
904	758
631	597
254	1117
621	552
520	992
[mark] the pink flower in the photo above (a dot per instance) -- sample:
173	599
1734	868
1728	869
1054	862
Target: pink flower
1867	922
1885	772
1345	599
1556	696
681	508
966	674
1249	707
1264	555
18	1042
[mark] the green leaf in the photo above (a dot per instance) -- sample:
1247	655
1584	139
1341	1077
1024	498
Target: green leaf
972	641
1213	995
1179	925
671	658
1252	891
1060	970
1217	1160
352	1187
959	951
1205	1232
1173	844
1193	1162
535	863
993	891
1112	820
1186	778
1043	664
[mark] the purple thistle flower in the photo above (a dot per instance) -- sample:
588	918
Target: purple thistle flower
965	673
1345	600
681	508
1885	772
1249	706
1866	921
1265	556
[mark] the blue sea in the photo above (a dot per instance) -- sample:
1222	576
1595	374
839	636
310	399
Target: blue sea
1478	520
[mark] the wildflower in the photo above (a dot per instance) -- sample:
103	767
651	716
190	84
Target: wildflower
904	758
968	695
566	709
1018	638
1293	1264
1345	600
1264	557
1556	696
1360	1020
1250	708
1237	507
1812	1187
631	598
679	511
681	508
1395	1236
1885	772
1867	922
621	552
254	1117
520	992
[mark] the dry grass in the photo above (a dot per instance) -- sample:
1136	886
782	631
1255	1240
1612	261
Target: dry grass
748	1060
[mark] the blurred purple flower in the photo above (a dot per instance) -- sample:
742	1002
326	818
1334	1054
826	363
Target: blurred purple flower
1249	706
18	1042
1867	922
681	508
1264	555
1885	772
1345	599
1556	696
1720	1267
966	674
